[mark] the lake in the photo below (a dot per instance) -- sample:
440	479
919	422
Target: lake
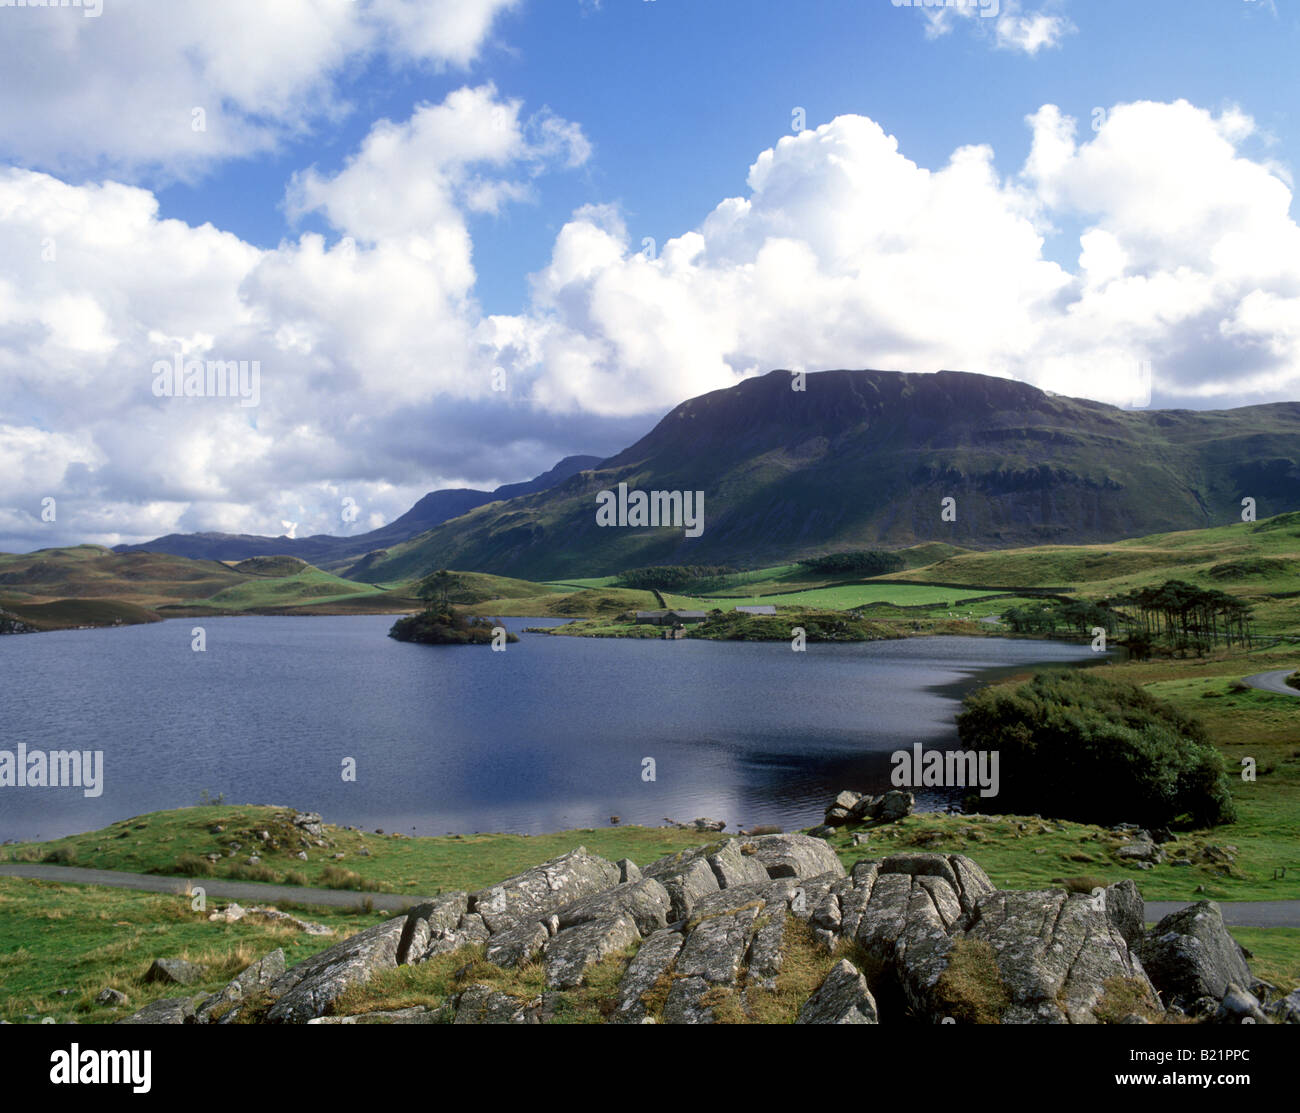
550	734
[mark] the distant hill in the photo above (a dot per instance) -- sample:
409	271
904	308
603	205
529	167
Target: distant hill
327	550
864	458
87	585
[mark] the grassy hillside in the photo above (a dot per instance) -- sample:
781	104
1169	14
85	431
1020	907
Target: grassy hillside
71	614
842	598
88	585
1259	561
599	602
864	459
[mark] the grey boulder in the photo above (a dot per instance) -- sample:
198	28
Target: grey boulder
1189	954
310	989
843	998
544	889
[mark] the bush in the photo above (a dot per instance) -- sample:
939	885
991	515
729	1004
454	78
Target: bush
191	865
1078	746
259	872
676	577
867	562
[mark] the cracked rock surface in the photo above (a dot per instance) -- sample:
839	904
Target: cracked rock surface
711	934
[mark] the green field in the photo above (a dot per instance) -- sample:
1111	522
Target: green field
841	598
1257	561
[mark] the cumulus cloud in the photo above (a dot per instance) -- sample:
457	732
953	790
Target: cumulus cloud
378	367
845	253
122	93
1005	23
365	342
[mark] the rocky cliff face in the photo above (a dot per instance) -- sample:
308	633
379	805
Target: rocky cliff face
921	938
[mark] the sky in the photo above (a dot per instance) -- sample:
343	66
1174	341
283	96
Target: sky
452	241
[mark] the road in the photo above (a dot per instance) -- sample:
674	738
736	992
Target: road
247	891
1273	682
1264	913
1237	913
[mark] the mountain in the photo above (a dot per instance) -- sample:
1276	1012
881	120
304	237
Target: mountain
432	510
865	458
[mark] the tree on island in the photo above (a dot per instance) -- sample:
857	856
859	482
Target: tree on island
434	591
440	623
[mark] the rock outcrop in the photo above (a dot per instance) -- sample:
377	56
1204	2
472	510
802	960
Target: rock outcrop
706	936
1191	956
853	808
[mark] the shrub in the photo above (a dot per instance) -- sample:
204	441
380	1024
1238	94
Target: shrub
675	577
1081	747
867	562
191	865
259	872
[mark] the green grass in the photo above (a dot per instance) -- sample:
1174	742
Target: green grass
594	602
307	584
66	614
85	938
92	586
176	843
840	598
1258	561
1022	852
1276	954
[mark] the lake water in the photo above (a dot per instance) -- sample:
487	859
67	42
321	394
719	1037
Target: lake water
550	734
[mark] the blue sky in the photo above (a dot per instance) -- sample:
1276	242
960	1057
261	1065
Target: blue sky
678	97
423	220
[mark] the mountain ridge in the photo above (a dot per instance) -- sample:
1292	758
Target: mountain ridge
865	458
431	510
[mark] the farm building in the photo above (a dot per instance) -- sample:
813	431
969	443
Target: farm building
669	618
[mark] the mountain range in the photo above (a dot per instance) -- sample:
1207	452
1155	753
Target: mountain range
325	550
855	459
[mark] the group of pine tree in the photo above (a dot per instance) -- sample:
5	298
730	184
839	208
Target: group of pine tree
1177	614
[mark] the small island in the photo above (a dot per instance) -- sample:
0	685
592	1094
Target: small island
440	623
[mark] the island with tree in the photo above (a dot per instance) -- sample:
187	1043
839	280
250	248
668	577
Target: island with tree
440	623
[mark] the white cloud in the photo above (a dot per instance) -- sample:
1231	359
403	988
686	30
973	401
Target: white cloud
367	347
117	93
1029	32
845	253
376	362
1006	23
